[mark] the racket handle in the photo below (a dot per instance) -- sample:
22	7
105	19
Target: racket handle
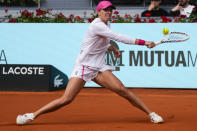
158	42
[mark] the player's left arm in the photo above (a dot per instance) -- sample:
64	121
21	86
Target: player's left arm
114	50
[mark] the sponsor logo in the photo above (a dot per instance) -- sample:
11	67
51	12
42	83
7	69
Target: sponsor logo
162	58
3	59
110	59
58	81
149	58
22	70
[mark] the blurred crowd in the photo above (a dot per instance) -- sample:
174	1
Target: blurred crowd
183	7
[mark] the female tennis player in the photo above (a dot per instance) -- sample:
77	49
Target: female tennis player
90	65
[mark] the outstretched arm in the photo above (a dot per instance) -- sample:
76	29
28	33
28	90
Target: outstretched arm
149	44
105	31
116	52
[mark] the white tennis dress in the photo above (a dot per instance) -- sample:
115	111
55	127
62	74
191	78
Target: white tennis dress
91	58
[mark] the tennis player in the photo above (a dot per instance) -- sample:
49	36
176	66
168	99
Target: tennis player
90	66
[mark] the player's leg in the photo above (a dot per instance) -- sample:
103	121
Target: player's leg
108	80
73	88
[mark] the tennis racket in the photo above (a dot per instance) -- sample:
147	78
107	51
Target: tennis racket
173	37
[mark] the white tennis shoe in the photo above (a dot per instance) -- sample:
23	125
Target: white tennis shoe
23	119
155	118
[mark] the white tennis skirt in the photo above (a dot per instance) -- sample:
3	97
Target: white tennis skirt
88	73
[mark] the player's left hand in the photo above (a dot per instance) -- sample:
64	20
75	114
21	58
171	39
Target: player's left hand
116	53
150	44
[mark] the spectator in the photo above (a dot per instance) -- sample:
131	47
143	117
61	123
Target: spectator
183	8
154	9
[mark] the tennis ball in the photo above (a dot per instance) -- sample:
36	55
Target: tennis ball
165	31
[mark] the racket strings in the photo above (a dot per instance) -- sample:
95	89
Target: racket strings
176	37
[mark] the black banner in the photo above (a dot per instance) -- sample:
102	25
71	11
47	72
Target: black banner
31	78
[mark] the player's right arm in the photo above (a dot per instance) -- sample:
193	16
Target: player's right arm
104	31
149	44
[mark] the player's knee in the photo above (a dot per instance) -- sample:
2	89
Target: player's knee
65	100
121	89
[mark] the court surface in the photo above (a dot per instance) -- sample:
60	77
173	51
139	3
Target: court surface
102	110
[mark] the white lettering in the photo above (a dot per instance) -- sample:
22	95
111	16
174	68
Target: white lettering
5	73
17	70
11	71
23	70
41	70
30	72
35	70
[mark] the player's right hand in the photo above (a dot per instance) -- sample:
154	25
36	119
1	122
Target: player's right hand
150	44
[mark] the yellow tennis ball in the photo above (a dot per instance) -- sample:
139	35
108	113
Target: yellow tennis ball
165	31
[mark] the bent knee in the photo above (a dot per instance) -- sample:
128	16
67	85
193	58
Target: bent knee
65	100
121	89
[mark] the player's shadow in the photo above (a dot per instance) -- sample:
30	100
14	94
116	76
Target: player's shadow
84	121
92	121
95	121
7	124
